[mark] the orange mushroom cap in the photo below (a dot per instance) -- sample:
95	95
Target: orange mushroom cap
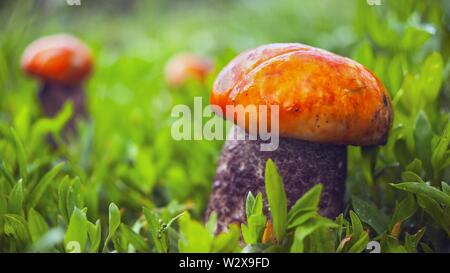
59	58
322	97
185	66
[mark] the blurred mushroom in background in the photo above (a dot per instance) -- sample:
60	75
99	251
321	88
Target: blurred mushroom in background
62	63
187	66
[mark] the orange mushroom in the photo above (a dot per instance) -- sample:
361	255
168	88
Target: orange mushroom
62	63
187	66
325	102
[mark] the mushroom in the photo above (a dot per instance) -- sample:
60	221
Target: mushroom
325	103
187	66
62	63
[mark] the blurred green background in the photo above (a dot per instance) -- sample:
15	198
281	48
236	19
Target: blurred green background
125	154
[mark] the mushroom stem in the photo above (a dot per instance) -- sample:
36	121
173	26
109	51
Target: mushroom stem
301	164
53	96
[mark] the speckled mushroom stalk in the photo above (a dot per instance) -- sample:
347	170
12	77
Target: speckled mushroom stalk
326	103
302	164
52	98
62	63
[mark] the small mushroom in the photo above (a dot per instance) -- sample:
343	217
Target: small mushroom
62	63
187	66
325	103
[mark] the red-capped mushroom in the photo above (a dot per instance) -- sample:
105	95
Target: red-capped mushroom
325	103
62	63
187	66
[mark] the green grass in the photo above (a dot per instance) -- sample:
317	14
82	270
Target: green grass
122	184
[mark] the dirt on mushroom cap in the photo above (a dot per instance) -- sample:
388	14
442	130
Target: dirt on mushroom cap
323	97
